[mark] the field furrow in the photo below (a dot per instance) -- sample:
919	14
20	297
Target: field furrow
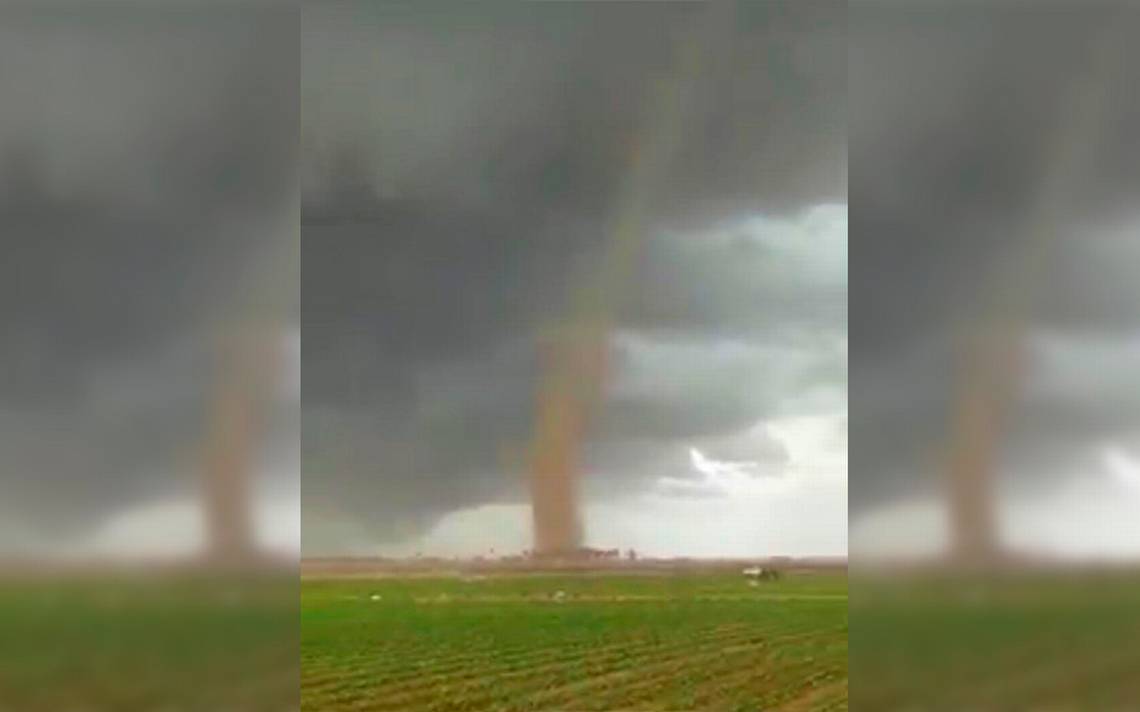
605	643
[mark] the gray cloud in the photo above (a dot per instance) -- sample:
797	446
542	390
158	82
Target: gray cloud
461	171
956	129
145	158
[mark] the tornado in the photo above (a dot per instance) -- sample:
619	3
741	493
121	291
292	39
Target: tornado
575	361
994	369
248	362
988	389
248	367
573	355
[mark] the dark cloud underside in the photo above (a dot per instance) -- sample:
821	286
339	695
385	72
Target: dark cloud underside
956	123
461	172
145	161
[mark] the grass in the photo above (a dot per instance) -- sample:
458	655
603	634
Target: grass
182	642
698	641
659	642
1025	642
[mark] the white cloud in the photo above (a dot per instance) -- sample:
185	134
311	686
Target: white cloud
1084	520
725	512
505	528
175	527
814	244
904	530
1122	466
1084	367
720	468
718	476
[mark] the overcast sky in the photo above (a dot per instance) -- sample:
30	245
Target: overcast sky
971	126
146	196
460	170
461	167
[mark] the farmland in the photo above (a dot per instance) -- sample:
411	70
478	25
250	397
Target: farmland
182	640
680	641
1029	640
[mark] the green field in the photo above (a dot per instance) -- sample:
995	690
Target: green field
155	642
575	642
1016	642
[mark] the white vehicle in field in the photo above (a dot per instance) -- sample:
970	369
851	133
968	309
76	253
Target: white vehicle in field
758	573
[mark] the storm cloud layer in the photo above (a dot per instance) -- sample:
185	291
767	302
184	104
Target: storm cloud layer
146	176
461	170
964	117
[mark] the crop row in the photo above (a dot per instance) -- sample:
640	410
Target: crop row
476	676
536	686
395	668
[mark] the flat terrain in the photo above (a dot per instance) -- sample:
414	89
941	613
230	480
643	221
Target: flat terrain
152	641
702	640
1023	641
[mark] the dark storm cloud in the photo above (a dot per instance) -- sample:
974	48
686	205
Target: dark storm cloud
462	169
144	152
958	119
537	107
